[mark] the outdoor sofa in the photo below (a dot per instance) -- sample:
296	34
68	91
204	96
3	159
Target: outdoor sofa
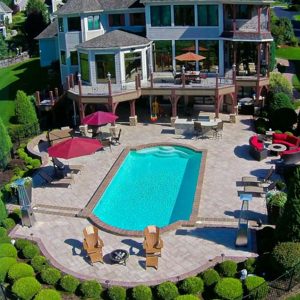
257	149
290	141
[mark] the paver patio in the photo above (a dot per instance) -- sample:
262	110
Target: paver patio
187	250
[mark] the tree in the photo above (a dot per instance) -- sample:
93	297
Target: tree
38	6
3	48
280	100
288	227
279	83
272	57
5	145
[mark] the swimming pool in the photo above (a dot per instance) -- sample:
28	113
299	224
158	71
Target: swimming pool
155	185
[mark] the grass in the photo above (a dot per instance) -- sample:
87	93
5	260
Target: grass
290	53
27	76
296	297
297	18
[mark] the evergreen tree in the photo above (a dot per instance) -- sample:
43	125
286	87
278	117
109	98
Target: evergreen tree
3	48
288	227
272	56
5	145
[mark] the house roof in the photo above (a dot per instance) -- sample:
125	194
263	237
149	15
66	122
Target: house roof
115	39
81	6
48	32
4	8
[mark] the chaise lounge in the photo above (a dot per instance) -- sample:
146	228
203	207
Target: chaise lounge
256	180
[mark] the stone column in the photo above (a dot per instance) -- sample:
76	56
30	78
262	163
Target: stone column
133	116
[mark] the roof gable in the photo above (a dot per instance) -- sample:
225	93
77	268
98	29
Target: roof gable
4	8
49	32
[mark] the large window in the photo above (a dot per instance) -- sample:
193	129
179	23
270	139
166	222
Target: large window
162	56
133	65
184	15
60	24
74	24
93	22
208	15
137	19
74	58
63	57
183	47
105	63
243	11
84	67
160	15
116	20
209	49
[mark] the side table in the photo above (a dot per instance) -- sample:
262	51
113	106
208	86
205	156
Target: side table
275	149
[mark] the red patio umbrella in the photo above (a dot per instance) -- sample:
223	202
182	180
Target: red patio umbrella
74	147
190	56
100	118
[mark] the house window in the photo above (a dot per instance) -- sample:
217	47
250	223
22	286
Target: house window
63	57
160	15
61	24
162	56
133	65
181	47
209	49
208	15
74	24
105	63
116	20
84	67
184	15
93	22
137	19
74	58
243	11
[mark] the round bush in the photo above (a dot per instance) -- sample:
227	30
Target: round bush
50	276
5	240
69	283
229	289
30	251
249	264
26	288
8	250
21	244
3	231
5	263
142	292
8	223
20	270
256	287
116	293
187	297
192	285
210	277
167	291
48	294
227	268
91	289
39	263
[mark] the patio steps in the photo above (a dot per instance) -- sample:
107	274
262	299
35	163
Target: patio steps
57	210
219	222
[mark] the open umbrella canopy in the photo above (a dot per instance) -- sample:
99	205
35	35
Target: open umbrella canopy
74	147
190	56
99	118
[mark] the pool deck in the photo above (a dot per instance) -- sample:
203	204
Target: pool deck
186	250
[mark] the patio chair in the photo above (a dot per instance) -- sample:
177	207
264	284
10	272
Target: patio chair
92	244
198	129
116	139
260	190
63	181
217	130
252	68
256	180
152	244
63	169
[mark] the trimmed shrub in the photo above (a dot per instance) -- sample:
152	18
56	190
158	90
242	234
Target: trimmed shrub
210	277
256	287
69	283
229	289
26	288
50	276
48	294
39	263
8	250
227	268
3	231
5	240
283	119
187	297
5	263
249	264
167	291
8	223
20	270
21	244
5	147
116	293
91	289
192	285
30	251
142	292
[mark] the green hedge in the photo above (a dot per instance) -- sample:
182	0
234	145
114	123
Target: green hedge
192	285
26	288
5	263
187	297
8	223
5	240
48	294
167	291
39	263
91	289
22	243
210	277
50	275
116	293
249	264
30	251
3	231
256	287
20	270
69	283
227	268
142	292
8	250
3	211
229	289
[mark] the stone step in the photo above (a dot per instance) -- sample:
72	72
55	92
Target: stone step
57	210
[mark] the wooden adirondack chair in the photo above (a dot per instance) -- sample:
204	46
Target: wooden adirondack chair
92	244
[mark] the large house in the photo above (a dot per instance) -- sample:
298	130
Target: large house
5	17
120	39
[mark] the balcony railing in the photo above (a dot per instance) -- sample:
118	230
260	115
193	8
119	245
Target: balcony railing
249	25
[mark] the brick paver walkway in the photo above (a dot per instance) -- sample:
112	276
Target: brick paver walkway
187	250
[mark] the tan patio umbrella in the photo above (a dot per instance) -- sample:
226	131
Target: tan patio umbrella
189	56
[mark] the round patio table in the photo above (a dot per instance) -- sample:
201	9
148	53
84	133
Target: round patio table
275	149
119	256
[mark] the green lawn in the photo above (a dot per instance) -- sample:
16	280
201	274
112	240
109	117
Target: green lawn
296	297
27	76
297	18
290	53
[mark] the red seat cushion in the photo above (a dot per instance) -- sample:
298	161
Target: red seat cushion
256	143
293	140
290	151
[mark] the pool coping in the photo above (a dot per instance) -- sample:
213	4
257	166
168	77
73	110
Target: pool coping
87	211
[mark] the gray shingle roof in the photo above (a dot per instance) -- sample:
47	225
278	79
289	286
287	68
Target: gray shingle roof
4	8
115	39
48	32
80	6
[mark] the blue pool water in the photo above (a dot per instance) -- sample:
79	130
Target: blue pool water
152	186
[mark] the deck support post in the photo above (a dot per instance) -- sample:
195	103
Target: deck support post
217	98
133	117
258	89
234	108
81	107
37	98
51	98
174	100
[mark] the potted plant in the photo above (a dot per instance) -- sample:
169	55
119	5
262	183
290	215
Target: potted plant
275	205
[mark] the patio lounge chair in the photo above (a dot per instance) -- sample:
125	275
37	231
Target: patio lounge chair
152	242
63	169
92	244
116	139
63	181
259	189
256	180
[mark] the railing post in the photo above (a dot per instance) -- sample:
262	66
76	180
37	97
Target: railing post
81	108
136	82
109	84
151	79
235	88
37	98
